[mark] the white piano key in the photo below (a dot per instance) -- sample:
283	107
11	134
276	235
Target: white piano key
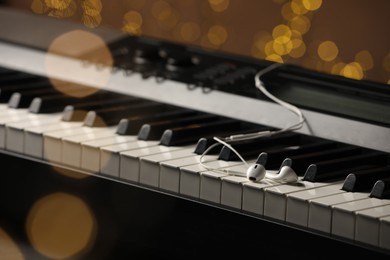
71	145
190	179
189	182
211	181
52	141
15	130
170	171
110	157
253	195
275	199
344	215
384	235
150	165
368	224
90	150
130	159
33	136
13	112
7	116
297	208
232	185
231	191
320	209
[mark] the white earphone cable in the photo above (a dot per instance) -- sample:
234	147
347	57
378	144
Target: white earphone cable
241	137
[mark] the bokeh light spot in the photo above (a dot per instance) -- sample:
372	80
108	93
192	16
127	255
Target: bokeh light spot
300	24
217	35
61	226
364	58
189	31
327	51
312	5
353	70
64	58
275	58
219	5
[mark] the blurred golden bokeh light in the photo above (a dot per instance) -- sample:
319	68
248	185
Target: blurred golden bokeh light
61	226
312	4
364	58
295	27
68	51
353	70
219	5
132	22
327	50
190	31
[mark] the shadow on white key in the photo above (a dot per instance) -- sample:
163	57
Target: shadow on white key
33	136
232	185
90	150
368	224
189	180
15	140
297	207
276	197
150	164
130	161
344	215
170	172
320	209
212	182
384	235
71	145
9	116
253	195
190	176
111	158
52	141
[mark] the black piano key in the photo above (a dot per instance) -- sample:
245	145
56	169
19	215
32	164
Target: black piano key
276	157
340	167
78	112
203	144
191	133
381	189
24	99
57	101
252	148
112	116
18	78
7	91
302	161
365	179
154	131
132	125
6	71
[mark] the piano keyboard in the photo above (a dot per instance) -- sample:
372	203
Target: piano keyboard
342	192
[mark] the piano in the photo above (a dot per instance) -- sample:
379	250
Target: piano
100	151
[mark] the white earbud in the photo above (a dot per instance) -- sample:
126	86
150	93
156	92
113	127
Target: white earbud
257	171
285	173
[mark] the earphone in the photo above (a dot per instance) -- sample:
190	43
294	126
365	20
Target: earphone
257	171
285	173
